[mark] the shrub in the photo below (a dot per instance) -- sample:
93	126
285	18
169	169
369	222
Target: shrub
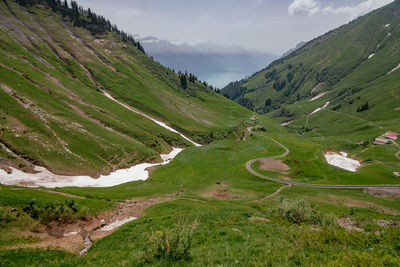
172	244
52	211
301	211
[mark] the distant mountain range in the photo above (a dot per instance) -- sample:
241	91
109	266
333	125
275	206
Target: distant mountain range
298	46
205	59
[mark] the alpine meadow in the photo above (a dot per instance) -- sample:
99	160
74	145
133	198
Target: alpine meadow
109	158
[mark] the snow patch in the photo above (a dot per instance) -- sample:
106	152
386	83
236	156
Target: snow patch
318	96
396	68
342	161
370	56
48	179
387	25
316	88
117	224
286	123
162	124
321	108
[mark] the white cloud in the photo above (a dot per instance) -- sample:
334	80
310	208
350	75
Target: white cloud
357	10
304	7
313	7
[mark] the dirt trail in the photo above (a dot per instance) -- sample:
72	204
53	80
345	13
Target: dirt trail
273	194
60	193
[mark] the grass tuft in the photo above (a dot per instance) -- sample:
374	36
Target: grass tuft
171	244
301	211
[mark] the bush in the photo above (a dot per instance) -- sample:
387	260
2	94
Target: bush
52	211
301	211
172	244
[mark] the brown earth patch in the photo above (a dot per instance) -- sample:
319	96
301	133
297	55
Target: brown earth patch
5	168
78	236
398	108
385	223
16	124
348	223
383	192
273	164
221	191
223	194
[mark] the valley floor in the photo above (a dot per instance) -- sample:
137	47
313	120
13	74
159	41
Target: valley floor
241	219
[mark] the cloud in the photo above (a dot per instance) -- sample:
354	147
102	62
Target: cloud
304	7
357	10
313	7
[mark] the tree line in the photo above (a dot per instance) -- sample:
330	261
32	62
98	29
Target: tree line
87	19
189	77
97	25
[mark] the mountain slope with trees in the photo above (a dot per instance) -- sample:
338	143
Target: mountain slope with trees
56	60
353	67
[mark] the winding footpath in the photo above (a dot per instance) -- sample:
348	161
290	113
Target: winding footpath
287	151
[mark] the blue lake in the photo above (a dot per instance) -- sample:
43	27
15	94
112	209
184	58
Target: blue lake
220	80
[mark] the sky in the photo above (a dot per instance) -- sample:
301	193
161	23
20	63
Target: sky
269	26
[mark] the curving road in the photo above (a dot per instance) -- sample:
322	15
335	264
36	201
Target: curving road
287	151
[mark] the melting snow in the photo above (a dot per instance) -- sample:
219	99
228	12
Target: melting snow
370	56
318	96
162	124
321	108
48	179
117	224
396	68
342	161
286	123
45	178
387	25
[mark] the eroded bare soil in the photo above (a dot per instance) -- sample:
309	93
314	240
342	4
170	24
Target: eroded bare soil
273	164
78	236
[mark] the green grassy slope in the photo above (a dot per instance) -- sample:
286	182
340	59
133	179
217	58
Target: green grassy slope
52	111
350	64
227	233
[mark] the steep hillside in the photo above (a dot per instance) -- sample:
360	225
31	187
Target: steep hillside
351	71
53	110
